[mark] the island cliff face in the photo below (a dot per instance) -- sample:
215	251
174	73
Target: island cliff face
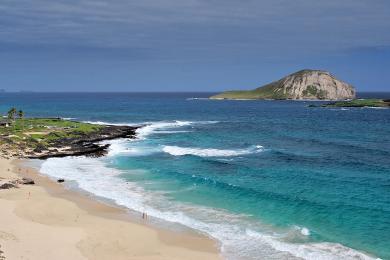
304	84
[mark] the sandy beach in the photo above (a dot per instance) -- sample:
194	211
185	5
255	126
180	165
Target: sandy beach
47	221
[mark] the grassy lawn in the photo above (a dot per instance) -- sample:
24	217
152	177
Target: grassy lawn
34	131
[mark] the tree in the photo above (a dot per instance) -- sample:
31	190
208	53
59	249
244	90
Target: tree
12	113
20	114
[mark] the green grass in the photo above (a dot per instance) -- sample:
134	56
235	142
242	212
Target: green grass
48	130
270	91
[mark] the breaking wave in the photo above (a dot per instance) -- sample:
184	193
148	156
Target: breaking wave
166	127
210	152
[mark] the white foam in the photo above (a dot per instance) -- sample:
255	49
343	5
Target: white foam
210	152
164	126
129	147
197	98
117	146
240	238
109	123
377	107
305	231
121	146
149	128
320	251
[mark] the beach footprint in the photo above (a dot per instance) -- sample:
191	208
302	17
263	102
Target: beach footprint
7	236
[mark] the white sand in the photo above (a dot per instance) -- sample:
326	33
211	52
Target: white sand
46	221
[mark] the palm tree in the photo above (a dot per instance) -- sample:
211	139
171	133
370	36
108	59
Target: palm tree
20	114
12	113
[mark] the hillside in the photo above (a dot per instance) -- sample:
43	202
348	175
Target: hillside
304	84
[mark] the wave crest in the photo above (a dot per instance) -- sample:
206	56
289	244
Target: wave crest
210	152
161	127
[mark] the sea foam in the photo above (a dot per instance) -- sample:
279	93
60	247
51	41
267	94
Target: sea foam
161	127
128	147
166	127
210	152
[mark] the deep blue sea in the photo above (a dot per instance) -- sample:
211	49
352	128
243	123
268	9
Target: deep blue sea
267	179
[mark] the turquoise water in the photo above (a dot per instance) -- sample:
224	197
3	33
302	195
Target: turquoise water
268	179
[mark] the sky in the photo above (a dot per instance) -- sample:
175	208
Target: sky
189	45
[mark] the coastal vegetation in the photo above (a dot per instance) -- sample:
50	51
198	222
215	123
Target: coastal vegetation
44	130
35	137
267	92
359	103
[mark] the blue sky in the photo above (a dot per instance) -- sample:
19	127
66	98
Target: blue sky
189	45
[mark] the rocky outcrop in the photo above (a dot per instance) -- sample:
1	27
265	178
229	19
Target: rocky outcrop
9	184
85	144
25	181
304	84
5	185
380	103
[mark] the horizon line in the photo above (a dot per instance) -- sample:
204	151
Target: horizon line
139	92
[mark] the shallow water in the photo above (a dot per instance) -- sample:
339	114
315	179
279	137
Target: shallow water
268	179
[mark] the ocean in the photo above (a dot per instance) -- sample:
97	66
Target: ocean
266	179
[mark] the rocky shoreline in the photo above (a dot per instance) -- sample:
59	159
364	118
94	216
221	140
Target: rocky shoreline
83	144
87	144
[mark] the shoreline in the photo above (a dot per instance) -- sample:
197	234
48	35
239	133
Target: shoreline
79	226
43	138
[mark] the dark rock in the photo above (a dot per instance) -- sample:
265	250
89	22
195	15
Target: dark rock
7	185
27	181
60	180
24	181
2	257
40	148
86	144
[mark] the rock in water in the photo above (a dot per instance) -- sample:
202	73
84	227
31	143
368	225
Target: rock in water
304	84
